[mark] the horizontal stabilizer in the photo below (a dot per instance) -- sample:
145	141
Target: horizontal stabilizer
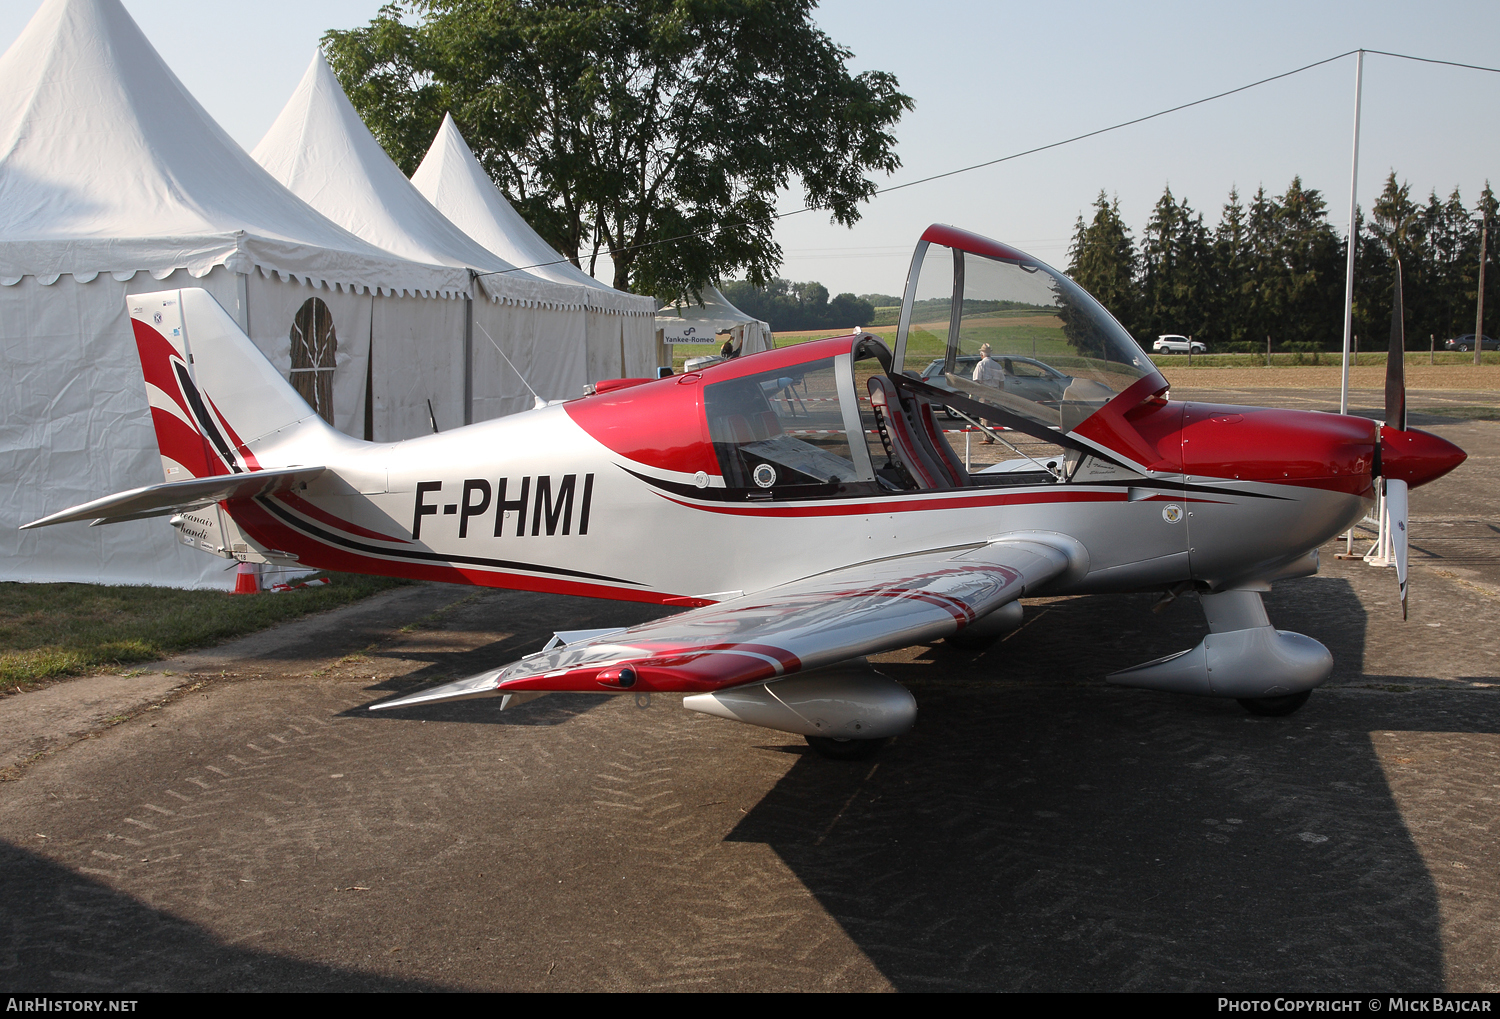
178	496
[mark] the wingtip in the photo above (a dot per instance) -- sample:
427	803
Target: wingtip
470	688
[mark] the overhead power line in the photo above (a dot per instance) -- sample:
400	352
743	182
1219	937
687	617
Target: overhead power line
1051	145
1102	130
1430	60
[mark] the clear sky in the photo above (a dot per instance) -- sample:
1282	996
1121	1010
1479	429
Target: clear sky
992	78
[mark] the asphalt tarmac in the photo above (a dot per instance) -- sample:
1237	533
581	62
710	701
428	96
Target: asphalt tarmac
257	829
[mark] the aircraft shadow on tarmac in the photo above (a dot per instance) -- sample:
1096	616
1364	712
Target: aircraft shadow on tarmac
1039	831
553	709
66	932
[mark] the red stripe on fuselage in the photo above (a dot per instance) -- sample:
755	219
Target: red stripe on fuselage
269	532
306	508
900	505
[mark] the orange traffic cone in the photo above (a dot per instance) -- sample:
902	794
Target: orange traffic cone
246	579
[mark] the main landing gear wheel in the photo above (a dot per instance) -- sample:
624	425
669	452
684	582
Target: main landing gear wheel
1275	707
844	749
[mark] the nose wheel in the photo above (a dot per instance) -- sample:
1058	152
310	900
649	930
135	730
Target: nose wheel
1275	707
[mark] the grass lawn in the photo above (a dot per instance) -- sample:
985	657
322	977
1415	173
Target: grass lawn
51	630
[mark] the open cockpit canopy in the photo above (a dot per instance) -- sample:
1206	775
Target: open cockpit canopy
986	321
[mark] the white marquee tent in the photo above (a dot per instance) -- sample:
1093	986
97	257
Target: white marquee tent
619	325
530	328
690	322
114	180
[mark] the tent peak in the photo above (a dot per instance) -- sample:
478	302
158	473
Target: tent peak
108	164
452	179
320	148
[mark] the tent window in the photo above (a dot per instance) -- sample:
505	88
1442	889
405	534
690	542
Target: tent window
313	348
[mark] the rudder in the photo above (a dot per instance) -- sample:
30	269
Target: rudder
215	399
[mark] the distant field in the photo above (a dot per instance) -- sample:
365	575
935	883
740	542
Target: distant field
1367	375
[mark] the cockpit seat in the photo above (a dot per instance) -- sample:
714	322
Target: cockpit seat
952	466
911	438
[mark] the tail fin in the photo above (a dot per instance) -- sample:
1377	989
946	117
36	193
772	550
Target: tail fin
216	402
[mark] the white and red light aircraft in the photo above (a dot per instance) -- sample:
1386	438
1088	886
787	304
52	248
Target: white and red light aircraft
801	504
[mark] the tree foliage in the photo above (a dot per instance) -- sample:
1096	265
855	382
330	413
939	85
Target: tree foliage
658	131
788	306
1275	267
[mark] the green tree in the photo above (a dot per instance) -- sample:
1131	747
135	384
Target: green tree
1397	225
788	306
1449	231
1102	260
1312	269
1176	284
657	130
1263	304
1233	281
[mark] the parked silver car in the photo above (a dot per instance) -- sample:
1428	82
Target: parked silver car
1024	376
1466	343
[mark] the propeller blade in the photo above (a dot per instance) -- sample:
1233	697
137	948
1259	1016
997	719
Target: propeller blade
1395	508
1395	362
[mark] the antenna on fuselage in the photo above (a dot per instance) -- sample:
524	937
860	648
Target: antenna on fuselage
539	401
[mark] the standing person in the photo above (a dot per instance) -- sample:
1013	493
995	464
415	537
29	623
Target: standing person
989	372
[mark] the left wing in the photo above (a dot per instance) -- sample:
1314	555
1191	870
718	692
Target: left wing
807	624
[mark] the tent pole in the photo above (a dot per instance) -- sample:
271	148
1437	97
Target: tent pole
469	350
242	297
370	377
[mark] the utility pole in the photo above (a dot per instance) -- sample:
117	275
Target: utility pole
1359	78
1484	237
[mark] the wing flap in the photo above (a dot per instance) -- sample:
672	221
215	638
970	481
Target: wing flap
807	624
177	496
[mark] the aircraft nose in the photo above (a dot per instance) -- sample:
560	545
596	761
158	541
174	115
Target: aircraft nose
1417	457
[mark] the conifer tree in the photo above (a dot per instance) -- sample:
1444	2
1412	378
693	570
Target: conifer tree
1312	264
1263	312
1102	260
1231	262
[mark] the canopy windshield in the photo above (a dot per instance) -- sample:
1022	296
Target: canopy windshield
1011	333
